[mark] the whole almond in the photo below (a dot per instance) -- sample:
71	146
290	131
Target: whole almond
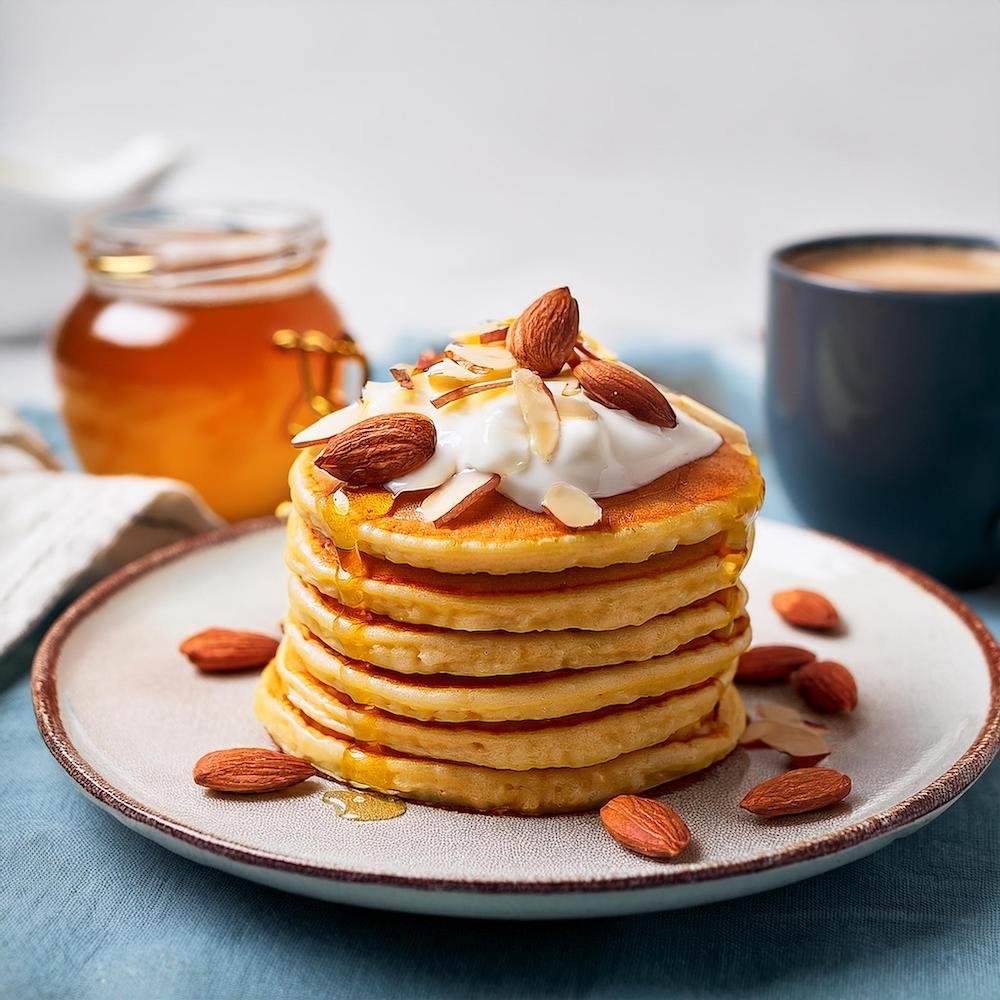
250	769
543	336
806	609
645	826
762	664
621	388
379	449
801	790
827	686
217	650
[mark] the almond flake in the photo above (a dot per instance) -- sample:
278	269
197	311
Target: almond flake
481	358
574	408
326	427
777	713
571	387
455	496
494	336
467	390
403	374
539	411
796	741
570	506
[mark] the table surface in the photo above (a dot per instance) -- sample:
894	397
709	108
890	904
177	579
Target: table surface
93	910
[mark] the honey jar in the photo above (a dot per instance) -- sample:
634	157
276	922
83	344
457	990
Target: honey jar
200	344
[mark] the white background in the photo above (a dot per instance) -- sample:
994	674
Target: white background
469	155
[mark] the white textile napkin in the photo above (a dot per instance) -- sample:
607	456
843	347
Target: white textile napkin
60	530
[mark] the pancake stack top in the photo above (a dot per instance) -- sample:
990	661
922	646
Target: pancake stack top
515	578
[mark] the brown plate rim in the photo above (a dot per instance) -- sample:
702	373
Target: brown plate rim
928	800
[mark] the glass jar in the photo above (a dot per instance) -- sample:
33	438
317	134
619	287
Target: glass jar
200	344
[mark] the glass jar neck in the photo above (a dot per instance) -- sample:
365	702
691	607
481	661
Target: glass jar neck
205	255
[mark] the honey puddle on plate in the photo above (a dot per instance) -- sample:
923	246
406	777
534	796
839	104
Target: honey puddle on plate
363	806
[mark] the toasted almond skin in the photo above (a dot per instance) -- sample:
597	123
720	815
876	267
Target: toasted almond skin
217	650
250	769
620	388
645	826
801	790
827	685
380	448
806	609
543	336
763	664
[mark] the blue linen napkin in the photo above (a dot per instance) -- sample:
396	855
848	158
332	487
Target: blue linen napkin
91	910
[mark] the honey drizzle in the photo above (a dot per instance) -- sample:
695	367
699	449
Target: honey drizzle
354	804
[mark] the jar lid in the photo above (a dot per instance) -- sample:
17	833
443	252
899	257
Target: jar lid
202	252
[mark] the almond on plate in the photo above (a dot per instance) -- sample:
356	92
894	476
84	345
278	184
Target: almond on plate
620	388
219	650
763	664
250	769
379	449
543	336
806	609
645	826
804	789
827	685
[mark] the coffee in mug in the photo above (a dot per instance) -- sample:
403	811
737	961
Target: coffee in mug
883	395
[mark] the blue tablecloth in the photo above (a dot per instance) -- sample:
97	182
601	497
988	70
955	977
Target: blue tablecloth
92	910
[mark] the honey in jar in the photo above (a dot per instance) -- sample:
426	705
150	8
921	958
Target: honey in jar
200	344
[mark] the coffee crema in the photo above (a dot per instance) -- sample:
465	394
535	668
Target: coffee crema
928	267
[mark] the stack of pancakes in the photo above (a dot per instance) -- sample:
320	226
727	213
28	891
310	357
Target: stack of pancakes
505	662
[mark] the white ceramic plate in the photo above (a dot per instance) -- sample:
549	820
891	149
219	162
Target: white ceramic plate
127	716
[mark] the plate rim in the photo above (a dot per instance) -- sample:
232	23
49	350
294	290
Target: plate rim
938	793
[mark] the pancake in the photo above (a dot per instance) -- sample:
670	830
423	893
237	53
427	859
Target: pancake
497	659
628	594
571	741
444	698
685	506
424	649
539	791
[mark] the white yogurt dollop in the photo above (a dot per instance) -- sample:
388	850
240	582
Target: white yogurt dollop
609	454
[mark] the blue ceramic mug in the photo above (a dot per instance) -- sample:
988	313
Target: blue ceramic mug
883	397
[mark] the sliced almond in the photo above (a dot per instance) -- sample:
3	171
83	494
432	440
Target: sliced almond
575	408
326	427
494	336
403	374
571	387
777	713
428	359
571	507
539	411
467	390
481	358
454	497
795	740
